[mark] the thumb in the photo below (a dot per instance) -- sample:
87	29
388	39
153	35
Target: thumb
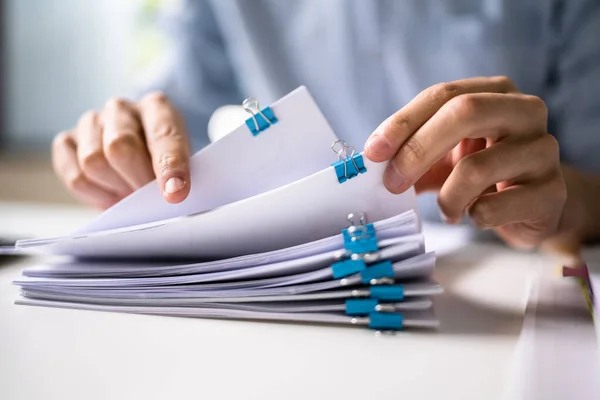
167	141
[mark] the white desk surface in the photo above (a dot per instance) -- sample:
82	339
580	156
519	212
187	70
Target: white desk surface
67	354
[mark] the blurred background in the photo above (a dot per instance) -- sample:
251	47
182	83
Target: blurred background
60	58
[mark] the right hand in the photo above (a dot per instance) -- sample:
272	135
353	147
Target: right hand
112	152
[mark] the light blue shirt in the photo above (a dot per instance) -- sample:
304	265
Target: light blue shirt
363	60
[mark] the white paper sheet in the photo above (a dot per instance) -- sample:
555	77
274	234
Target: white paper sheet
415	319
238	166
311	303
392	231
310	209
400	250
319	290
312	269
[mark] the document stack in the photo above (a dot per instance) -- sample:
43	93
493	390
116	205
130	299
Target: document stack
277	227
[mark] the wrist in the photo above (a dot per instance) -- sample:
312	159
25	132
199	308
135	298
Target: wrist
580	220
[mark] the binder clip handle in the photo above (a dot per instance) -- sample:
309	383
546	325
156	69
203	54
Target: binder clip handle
347	154
260	119
362	219
358	229
360	237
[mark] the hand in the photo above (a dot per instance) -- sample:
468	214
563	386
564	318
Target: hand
112	152
485	148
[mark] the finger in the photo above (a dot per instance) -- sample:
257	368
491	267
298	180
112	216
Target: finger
124	144
385	142
168	145
435	177
535	205
481	115
65	163
90	155
516	161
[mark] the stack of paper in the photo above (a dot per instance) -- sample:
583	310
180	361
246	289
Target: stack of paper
276	227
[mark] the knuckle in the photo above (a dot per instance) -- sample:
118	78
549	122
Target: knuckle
115	103
164	131
443	92
464	107
399	125
60	141
445	204
412	152
476	178
542	152
472	170
482	214
504	80
93	161
538	105
76	182
88	117
121	148
551	147
168	162
156	97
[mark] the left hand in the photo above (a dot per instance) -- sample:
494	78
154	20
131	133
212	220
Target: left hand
484	146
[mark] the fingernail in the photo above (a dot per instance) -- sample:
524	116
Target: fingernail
393	180
174	185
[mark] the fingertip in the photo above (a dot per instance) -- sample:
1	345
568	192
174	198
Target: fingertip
447	219
176	189
391	188
393	181
377	148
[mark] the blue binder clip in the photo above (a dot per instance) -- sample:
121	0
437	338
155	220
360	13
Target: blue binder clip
260	119
361	306
349	164
360	240
385	321
367	306
360	237
382	272
388	292
346	268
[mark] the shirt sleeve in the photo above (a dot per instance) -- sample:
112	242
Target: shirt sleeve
199	77
574	103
